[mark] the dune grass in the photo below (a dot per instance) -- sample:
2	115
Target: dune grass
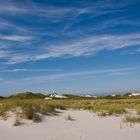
69	118
17	121
30	108
132	119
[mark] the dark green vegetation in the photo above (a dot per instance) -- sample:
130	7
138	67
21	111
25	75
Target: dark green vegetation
34	106
1	97
28	95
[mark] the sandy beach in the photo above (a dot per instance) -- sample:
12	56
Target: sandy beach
85	126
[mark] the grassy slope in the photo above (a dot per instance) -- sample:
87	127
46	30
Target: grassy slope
104	107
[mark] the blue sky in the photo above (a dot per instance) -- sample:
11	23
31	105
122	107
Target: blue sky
77	46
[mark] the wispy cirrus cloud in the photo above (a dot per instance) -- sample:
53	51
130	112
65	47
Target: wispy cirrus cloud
17	38
48	13
30	70
4	54
70	75
107	72
53	11
45	31
78	47
76	75
52	31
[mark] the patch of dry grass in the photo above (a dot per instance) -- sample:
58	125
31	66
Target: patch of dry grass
104	107
69	118
132	119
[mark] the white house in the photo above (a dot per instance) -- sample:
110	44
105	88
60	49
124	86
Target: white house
113	95
89	96
55	95
94	96
134	94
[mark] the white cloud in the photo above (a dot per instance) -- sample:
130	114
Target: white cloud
46	11
12	26
79	47
30	41
4	54
30	70
17	38
93	44
51	11
117	72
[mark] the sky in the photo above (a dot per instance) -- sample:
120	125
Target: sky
69	46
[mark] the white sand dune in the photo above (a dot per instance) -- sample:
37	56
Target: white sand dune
86	126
